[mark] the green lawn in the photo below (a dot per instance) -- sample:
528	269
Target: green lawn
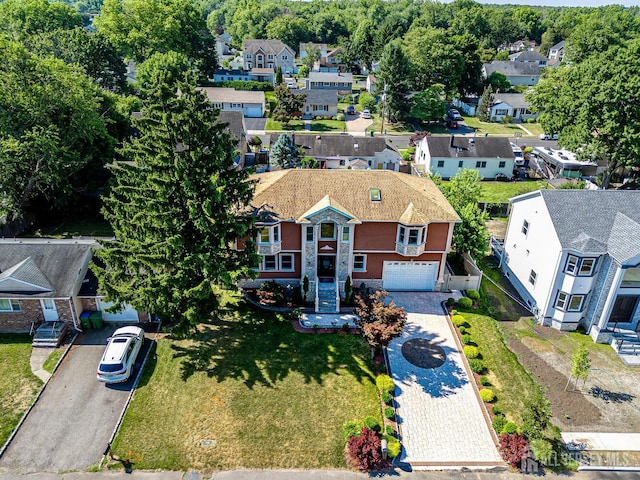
316	126
398	127
511	383
19	385
267	396
493	128
498	192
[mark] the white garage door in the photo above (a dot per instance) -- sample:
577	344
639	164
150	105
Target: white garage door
126	314
410	276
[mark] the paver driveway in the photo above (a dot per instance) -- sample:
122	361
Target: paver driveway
440	417
72	421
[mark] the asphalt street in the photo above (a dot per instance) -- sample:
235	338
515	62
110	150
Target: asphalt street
72	421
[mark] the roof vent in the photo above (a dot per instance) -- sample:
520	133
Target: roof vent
355	145
459	149
375	194
472	141
318	137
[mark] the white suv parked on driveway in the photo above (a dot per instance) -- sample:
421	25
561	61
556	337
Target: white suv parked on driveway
119	356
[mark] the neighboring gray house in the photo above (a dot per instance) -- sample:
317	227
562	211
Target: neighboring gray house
269	54
343	82
320	103
339	151
446	155
250	103
518	73
512	104
254	75
529	56
238	131
574	257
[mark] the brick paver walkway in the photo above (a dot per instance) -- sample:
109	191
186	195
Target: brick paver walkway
440	416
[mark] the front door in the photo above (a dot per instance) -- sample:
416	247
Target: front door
326	266
49	309
623	309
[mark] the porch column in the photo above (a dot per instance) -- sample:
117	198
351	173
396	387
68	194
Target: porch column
611	299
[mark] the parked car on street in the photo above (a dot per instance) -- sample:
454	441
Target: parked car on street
120	354
454	114
548	136
351	110
366	113
452	124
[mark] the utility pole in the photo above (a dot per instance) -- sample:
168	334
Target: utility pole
384	104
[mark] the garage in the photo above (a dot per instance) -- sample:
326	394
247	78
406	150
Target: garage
409	276
126	314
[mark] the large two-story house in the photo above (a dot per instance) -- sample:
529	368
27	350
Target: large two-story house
574	257
491	156
385	229
269	54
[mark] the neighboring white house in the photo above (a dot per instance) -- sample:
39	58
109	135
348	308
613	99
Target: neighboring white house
320	103
574	257
467	105
491	156
250	103
557	51
512	104
344	151
343	82
371	83
518	73
268	54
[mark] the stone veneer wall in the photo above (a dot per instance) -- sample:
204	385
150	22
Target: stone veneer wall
599	293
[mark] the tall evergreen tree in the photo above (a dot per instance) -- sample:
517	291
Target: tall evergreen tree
176	206
484	106
284	152
391	81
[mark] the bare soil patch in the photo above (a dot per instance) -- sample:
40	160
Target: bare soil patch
546	353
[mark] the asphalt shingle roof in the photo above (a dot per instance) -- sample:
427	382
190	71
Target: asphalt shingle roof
516	100
273	47
507	67
330	77
319	97
53	265
337	145
290	194
482	147
596	221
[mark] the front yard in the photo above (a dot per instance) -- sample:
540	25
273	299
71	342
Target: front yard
248	392
335	126
495	128
19	385
500	192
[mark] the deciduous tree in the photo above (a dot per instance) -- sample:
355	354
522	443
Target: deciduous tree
289	103
429	105
379	322
176	206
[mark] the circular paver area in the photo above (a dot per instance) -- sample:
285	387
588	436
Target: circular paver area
423	353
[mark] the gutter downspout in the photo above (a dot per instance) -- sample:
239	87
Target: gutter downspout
73	316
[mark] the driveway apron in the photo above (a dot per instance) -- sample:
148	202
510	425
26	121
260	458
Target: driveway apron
72	421
440	417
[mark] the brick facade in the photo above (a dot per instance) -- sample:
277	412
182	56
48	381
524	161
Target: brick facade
14	322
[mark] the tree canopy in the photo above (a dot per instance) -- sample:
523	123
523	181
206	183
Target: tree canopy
177	205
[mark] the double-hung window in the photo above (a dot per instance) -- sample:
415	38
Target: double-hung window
411	235
525	227
582	267
359	263
569	303
7	305
269	234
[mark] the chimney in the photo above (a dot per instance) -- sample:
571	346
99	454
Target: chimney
451	142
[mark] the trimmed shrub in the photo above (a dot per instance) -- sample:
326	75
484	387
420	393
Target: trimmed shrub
451	302
498	423
471	352
389	430
389	413
340	117
462	329
477	366
386	398
351	428
465	302
458	320
496	410
466	339
484	381
454	311
473	294
385	383
513	449
371	423
509	428
270	293
364	451
487	395
393	446
541	449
